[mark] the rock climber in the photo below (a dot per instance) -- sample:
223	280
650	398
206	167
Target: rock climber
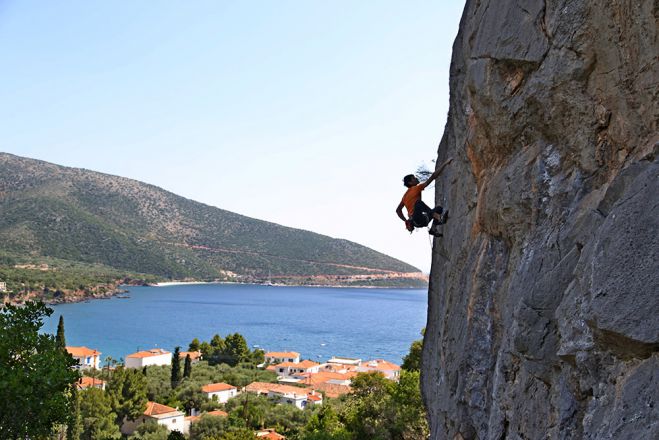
420	214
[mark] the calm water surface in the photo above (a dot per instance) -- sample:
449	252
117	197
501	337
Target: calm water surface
317	322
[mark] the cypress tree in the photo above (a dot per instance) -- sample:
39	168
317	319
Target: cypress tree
176	368
61	341
187	366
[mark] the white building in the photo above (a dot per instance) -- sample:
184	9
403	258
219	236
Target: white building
3	286
86	357
287	394
171	418
345	361
388	369
277	357
156	356
221	392
290	371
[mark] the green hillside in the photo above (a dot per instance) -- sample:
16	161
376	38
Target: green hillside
87	217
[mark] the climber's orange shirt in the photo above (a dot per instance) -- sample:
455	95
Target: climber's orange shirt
411	196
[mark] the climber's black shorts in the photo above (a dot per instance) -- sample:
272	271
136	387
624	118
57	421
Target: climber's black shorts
423	214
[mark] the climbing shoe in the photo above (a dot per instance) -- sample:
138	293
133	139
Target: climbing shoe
444	218
434	230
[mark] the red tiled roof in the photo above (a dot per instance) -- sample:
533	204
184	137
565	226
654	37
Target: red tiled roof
307	364
215	387
325	376
218	413
82	351
156	409
148	353
269	434
332	390
87	382
265	387
282	354
193	355
379	365
302	364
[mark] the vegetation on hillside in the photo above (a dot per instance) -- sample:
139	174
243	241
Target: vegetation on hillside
103	221
56	280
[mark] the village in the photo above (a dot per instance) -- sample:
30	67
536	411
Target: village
299	383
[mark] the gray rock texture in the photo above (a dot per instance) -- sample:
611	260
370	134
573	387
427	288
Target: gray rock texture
543	317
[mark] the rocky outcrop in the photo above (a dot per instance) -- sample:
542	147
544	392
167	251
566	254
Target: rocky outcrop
543	317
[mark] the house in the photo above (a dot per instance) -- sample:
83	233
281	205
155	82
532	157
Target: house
220	392
86	357
277	357
389	370
195	356
155	356
3	286
86	382
288	394
292	372
345	361
268	434
315	379
171	418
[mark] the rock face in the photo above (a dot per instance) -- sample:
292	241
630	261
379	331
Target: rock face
543	318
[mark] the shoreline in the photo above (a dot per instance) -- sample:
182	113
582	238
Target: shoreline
124	288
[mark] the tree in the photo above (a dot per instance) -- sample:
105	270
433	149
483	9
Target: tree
239	434
194	345
98	419
175	435
236	349
208	426
191	398
206	350
381	408
324	425
176	368
127	391
61	340
187	367
75	424
36	375
217	343
150	431
412	361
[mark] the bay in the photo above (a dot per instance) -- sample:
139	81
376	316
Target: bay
316	322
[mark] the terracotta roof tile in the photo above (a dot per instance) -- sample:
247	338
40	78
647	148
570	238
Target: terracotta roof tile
282	354
82	351
156	409
193	355
148	353
215	387
265	387
86	382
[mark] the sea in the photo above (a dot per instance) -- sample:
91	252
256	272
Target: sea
317	322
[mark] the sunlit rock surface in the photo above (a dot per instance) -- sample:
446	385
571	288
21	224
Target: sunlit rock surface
543	317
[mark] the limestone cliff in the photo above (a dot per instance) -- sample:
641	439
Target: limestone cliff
543	318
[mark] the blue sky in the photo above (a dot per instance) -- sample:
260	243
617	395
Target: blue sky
304	113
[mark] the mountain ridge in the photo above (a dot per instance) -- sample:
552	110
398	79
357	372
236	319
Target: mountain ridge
81	215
